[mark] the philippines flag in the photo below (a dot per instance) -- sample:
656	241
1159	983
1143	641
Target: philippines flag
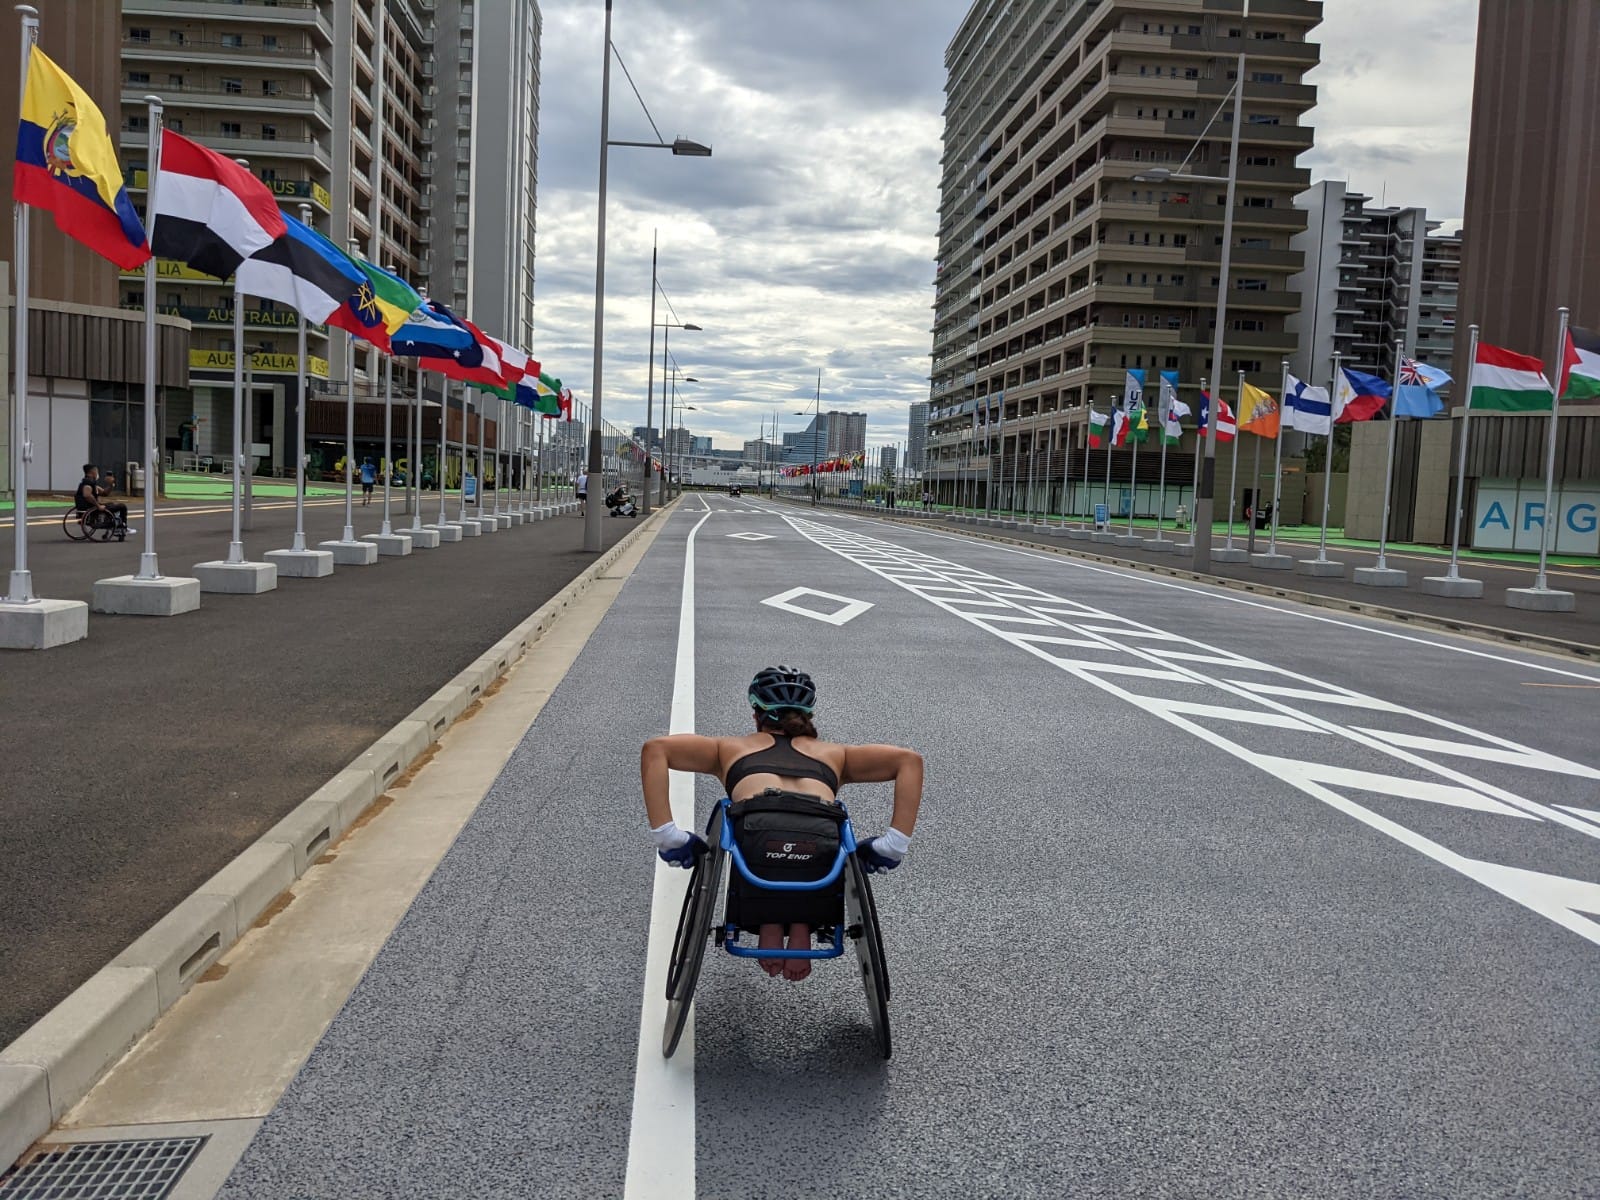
210	213
1358	396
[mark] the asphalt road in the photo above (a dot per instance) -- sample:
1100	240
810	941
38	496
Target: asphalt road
139	761
1581	626
1212	896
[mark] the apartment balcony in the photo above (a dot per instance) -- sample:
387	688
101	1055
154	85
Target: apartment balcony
285	190
305	14
215	51
1297	137
1301	95
1238	298
218	98
1302	54
240	146
1247	256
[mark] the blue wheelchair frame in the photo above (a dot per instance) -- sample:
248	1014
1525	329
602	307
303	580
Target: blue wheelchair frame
730	933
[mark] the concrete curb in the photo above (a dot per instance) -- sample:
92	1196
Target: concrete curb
1579	650
58	1059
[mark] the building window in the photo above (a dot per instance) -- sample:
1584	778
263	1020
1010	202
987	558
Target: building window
230	129
175	81
269	41
271	87
176	37
269	133
1258	202
138	124
233	41
1172	362
233	87
1249	325
1248	365
139	35
138	77
1262	119
1251	285
1266	76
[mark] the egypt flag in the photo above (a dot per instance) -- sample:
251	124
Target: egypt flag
210	213
302	269
1580	367
1097	429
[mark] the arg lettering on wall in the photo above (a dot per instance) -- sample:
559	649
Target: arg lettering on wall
1509	515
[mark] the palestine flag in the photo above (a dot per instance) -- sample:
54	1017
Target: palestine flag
1504	381
1581	366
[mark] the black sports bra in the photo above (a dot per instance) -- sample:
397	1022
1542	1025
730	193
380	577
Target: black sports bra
781	758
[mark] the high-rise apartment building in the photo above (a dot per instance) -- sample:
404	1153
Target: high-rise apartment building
1533	171
917	435
1372	275
1059	269
847	433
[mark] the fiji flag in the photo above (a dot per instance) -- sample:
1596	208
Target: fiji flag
1418	394
67	163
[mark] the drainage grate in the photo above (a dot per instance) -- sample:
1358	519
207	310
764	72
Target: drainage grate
137	1170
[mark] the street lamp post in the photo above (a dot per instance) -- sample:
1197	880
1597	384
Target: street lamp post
1203	497
666	327
592	539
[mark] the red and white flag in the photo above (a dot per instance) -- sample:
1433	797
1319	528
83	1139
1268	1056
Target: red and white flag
210	213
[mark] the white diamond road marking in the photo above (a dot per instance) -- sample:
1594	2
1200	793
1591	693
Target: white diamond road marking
1147	653
850	611
752	537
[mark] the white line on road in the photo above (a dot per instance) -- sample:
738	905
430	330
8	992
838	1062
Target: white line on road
661	1148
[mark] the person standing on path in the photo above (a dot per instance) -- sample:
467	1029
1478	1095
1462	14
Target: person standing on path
582	488
369	477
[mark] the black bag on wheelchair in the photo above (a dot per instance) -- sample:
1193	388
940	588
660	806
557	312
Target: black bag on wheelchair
786	837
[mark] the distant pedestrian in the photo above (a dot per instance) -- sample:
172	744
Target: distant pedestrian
927	501
582	488
369	478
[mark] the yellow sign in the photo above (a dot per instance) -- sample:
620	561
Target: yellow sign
278	187
266	364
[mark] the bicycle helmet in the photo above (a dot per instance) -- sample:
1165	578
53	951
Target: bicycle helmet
776	688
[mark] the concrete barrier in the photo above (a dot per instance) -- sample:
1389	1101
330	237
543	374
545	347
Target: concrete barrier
60	1057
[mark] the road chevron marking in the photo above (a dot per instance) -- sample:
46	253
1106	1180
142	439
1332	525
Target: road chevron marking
1564	901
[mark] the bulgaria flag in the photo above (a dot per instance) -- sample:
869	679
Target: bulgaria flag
1097	429
1580	367
1503	381
210	213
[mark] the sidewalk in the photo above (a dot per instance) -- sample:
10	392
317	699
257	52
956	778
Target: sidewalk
1576	632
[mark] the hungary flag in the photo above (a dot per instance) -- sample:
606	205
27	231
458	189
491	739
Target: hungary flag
1097	429
1581	366
1504	381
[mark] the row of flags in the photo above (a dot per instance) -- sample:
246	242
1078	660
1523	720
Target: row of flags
845	462
215	216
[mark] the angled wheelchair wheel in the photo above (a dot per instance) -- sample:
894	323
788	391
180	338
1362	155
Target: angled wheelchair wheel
72	525
861	921
694	931
98	523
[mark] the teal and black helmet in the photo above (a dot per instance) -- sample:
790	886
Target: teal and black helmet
776	688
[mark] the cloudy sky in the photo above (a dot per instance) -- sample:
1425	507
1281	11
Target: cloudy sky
808	241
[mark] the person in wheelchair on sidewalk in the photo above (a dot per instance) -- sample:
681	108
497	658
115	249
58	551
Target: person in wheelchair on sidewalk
785	766
90	499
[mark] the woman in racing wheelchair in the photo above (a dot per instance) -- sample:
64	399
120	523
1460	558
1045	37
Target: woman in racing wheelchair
783	757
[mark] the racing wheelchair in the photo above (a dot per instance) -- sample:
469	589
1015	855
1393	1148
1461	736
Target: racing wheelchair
805	870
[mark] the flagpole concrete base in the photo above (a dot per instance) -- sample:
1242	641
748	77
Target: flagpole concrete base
517	518
236	579
1320	568
351	554
1130	539
166	596
1161	546
1237	554
504	520
448	531
41	624
468	526
390	545
422	539
1079	535
488	525
301	564
1269	562
1104	538
1445	585
1540	599
1386	577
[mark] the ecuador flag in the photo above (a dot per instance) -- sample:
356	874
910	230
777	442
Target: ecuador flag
67	163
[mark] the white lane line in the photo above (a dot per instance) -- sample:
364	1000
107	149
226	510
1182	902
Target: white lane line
661	1146
1287	608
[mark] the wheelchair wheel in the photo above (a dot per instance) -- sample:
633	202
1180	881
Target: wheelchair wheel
861	921
694	931
99	524
72	525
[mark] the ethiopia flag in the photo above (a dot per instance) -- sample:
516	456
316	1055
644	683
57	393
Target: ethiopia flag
66	163
1581	366
378	307
1504	381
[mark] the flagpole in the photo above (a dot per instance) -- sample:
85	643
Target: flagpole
1461	463
1232	472
1542	584
236	546
539	477
1033	454
466	399
483	474
1277	459
1255	497
1133	475
1111	440
1388	466
1088	428
388	438
149	568
1066	469
21	588
1327	465
1200	435
414	459
1161	491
